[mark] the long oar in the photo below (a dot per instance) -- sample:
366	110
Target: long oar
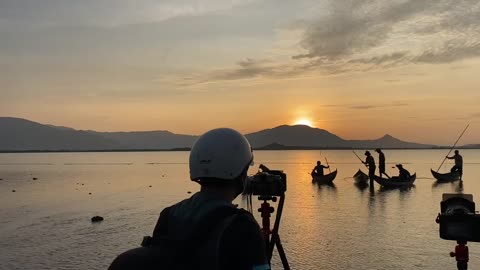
328	165
455	144
359	158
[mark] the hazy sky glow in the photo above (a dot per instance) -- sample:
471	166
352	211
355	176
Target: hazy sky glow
357	68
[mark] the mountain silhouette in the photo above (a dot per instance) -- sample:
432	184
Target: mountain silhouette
23	135
19	135
387	141
148	139
298	135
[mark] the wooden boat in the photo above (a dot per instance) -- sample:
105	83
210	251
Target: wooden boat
361	177
446	177
395	181
327	178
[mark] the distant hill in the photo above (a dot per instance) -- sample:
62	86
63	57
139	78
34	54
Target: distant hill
387	141
23	135
298	135
19	135
277	146
148	139
471	146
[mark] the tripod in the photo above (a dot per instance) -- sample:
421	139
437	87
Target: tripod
272	238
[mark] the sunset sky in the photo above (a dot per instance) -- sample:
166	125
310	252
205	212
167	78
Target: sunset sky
358	68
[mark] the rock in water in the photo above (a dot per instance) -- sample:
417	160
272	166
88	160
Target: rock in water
97	219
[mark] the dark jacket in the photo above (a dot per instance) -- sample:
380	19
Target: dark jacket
216	246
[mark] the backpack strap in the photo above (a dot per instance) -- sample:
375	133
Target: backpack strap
200	234
212	224
210	252
160	251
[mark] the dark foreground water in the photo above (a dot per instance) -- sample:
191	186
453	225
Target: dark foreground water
46	224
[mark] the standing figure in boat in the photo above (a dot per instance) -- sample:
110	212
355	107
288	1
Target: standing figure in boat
370	162
458	167
381	162
318	170
403	174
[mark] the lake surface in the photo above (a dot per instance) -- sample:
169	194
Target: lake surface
46	224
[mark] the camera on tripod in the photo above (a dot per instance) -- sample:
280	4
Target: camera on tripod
266	183
458	219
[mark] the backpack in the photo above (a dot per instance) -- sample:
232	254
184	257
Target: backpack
160	252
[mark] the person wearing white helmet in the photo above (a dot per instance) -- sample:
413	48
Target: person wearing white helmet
206	231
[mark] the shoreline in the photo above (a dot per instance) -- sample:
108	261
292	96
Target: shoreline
256	149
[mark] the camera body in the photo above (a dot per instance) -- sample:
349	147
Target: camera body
458	219
267	183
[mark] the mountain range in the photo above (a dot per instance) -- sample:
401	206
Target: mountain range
23	135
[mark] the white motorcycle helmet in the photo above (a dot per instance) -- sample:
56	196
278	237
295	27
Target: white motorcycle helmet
221	153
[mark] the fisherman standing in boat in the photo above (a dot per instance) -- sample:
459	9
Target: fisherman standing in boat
381	163
370	162
458	167
318	170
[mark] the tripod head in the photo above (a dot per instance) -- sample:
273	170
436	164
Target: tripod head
266	198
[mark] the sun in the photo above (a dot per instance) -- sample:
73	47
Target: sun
304	121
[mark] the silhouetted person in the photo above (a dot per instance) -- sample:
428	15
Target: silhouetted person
458	167
381	162
206	231
318	170
461	255
370	162
403	174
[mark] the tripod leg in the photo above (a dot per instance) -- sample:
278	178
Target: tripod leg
281	252
275	228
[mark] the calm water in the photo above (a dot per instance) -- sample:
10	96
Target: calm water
45	224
